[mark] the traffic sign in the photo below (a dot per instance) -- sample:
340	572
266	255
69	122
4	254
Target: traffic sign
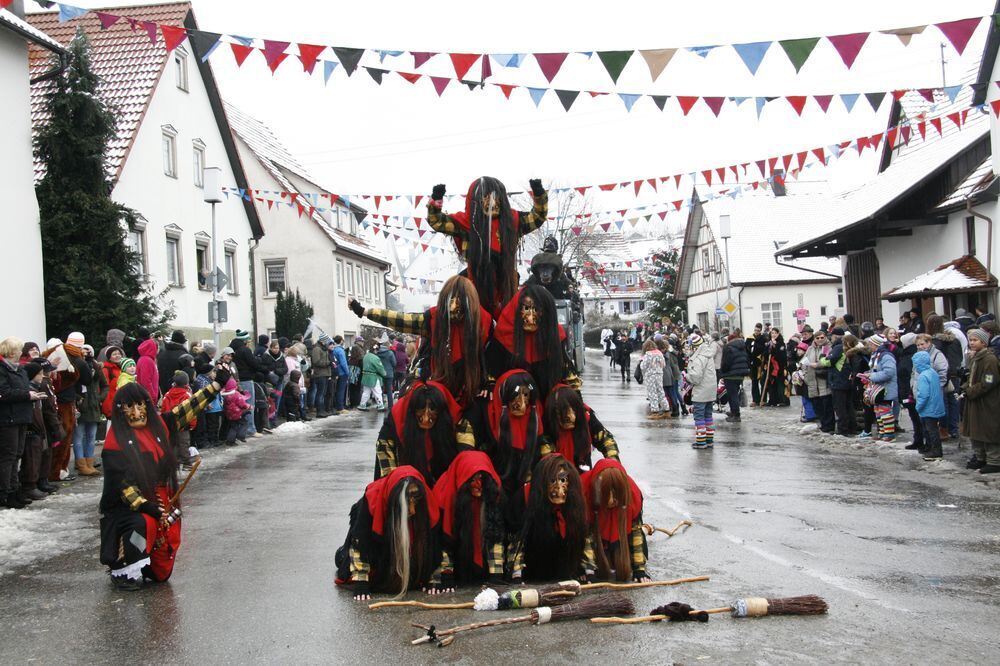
730	307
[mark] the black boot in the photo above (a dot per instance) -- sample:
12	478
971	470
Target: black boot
933	453
14	502
126	584
46	486
975	463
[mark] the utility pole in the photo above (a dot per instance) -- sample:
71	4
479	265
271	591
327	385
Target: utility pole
943	81
212	184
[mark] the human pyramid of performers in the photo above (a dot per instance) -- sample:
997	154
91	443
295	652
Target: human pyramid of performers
483	468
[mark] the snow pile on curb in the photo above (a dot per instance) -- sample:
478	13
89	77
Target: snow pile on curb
58	524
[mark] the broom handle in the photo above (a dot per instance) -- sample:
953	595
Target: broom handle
651	618
651	583
651	528
767	378
418	604
475	625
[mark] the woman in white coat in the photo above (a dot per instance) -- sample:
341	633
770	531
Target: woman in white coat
704	387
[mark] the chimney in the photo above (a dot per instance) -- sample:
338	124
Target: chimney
778	183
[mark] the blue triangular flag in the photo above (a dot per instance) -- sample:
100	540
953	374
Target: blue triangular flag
760	102
245	41
738	100
69	12
328	67
382	54
629	100
952	92
589	54
702	51
508	59
752	54
619	223
849	100
537	94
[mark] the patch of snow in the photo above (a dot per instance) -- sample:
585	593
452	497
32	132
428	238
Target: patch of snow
294	428
58	524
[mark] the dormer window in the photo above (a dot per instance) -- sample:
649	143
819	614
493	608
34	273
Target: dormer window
169	148
180	68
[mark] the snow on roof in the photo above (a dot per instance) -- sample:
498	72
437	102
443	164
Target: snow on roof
276	159
974	183
760	224
961	275
127	63
29	31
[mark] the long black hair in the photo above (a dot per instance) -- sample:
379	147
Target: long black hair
131	394
560	399
539	533
491	524
466	376
504	451
412	450
495	274
548	371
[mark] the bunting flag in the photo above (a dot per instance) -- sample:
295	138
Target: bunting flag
848	46
752	54
550	63
614	62
172	36
274	53
799	50
657	60
567	97
308	53
462	62
349	58
203	43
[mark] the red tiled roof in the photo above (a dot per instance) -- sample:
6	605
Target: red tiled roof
963	275
127	63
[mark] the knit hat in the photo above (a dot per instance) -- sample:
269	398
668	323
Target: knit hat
324	339
961	312
185	360
52	343
694	340
836	330
181	378
908	340
28	346
242	335
31	369
126	363
115	337
877	339
178	337
979	334
262	340
75	339
226	350
88	348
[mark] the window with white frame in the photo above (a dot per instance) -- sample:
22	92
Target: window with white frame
230	269
169	148
350	278
770	313
136	241
718	260
368	283
275	276
340	276
357	279
376	278
198	162
629	279
626	307
840	297
342	222
203	265
175	271
180	68
706	261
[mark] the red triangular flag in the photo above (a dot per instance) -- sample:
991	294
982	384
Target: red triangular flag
875	139
410	76
823	101
420	57
771	163
151	30
848	46
550	63
274	53
820	154
378	202
107	20
890	137
898	94
956	118
995	104
652	183
922	128
936	122
801	157
927	93
798	102
582	190
440	83
663	215
707	174
677	204
722	174
760	166
240	52
686	103
462	62
715	103
506	88
608	187
308	54
270	203
677	180
637	185
959	32
172	36
862	144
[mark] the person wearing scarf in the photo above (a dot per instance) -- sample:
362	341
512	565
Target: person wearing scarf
69	386
528	337
614	509
507	427
454	333
472	520
881	387
487	234
393	541
421	432
140	525
573	430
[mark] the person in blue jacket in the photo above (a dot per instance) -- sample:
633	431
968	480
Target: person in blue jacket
882	372
342	373
929	403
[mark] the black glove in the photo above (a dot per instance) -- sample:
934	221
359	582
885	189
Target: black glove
151	509
222	375
536	187
447	582
639	575
438	192
356	307
360	587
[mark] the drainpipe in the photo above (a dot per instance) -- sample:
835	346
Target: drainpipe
739	299
989	246
253	287
800	268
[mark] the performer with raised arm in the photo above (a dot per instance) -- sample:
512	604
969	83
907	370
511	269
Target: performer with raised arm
487	233
140	525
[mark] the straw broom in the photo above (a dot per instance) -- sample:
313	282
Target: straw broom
590	607
548	595
649	529
749	607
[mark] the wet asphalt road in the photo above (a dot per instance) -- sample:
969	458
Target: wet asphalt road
906	554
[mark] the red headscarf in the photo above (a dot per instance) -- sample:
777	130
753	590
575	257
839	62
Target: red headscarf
560	519
143	437
504	332
457	336
462	220
565	445
607	519
401	407
465	465
377	496
518	424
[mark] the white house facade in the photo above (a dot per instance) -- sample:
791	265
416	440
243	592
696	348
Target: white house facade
311	244
23	313
171	126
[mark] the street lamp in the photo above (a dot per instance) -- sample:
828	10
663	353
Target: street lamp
726	231
212	188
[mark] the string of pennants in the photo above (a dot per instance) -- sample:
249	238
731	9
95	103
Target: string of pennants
768	168
798	51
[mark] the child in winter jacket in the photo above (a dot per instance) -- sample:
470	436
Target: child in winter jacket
127	375
235	405
929	399
291	404
180	391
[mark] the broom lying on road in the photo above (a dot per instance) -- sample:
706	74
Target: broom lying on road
589	607
649	529
549	595
749	607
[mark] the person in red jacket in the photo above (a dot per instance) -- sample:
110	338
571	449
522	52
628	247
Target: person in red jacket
146	373
180	437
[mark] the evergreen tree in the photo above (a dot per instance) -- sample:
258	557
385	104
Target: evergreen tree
291	314
661	301
92	279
